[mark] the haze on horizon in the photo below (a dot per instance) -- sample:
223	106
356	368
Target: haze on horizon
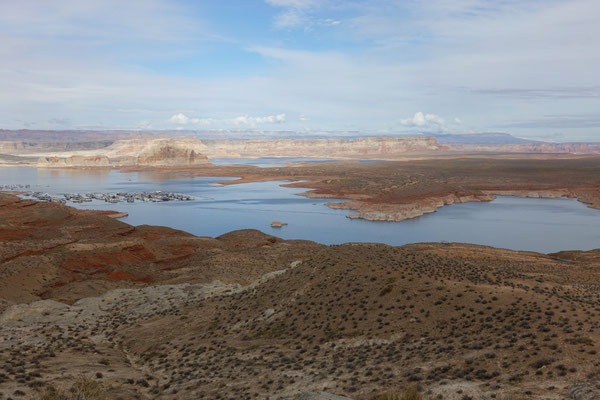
526	67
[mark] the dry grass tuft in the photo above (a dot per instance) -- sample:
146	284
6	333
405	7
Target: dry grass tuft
84	388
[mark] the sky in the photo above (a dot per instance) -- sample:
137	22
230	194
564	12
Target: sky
526	67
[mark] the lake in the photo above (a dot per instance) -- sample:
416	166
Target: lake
543	225
267	162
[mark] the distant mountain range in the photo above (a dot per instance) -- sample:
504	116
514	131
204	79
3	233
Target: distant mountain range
479	138
109	136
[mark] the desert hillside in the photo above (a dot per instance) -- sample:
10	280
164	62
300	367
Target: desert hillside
150	312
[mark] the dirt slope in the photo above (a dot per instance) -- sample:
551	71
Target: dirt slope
247	315
52	251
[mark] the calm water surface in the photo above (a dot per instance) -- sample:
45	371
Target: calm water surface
267	162
543	225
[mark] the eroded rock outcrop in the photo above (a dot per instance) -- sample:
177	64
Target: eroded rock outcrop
395	212
400	212
585	391
537	147
139	152
74	161
364	146
166	153
26	147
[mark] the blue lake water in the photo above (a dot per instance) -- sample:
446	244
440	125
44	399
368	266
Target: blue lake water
543	225
267	162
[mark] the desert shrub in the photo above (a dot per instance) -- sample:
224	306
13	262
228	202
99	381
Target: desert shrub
84	388
386	290
581	340
407	394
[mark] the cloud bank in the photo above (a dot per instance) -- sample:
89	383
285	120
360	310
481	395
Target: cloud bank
241	120
423	120
526	66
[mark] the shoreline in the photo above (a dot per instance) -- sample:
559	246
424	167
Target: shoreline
371	206
13	197
391	212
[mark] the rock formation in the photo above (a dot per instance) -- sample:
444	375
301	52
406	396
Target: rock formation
364	146
139	152
168	152
25	147
74	161
189	151
401	212
396	212
137	147
536	148
177	151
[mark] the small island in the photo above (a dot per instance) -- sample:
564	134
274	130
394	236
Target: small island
277	224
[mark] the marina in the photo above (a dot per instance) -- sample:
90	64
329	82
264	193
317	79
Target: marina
13	187
119	197
157	196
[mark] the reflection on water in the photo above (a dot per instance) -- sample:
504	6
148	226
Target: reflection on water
267	162
50	173
543	225
158	176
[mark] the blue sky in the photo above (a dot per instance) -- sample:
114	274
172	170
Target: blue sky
527	67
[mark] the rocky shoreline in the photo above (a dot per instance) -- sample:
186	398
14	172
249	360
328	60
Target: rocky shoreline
397	212
410	190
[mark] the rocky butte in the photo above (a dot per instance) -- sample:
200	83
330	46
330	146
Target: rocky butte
191	151
364	146
532	148
73	161
169	151
136	152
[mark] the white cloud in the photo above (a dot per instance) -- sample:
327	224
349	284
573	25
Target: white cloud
331	22
301	14
180	118
241	120
423	120
252	121
93	61
289	19
98	22
145	125
294	14
300	4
